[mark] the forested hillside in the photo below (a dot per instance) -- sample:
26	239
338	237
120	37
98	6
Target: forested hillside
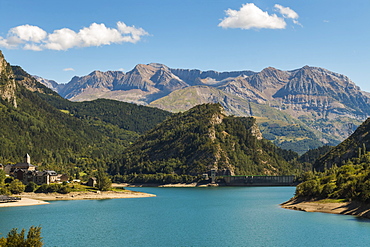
343	172
354	146
74	138
350	182
126	116
54	139
193	142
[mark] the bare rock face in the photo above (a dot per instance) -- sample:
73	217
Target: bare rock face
319	90
53	85
153	78
7	82
96	79
255	131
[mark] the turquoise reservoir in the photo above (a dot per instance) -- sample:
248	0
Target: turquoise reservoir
224	216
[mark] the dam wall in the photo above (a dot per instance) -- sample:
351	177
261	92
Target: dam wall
259	180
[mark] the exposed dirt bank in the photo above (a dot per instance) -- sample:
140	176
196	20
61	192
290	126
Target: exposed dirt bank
348	208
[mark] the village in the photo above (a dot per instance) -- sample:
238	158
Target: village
27	174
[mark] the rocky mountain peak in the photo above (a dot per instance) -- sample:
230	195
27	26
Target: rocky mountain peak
53	85
269	78
325	101
158	66
96	80
144	70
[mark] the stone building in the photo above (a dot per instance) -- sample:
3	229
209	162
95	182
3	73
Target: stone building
92	182
26	173
26	165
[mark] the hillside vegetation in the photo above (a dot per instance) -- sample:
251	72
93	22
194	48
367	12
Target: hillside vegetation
350	181
126	116
354	146
343	172
202	138
76	138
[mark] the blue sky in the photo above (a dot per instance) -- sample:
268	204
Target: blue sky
60	39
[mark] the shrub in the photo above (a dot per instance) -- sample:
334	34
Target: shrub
16	187
30	187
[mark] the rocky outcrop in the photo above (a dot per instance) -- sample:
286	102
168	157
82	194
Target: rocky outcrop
53	85
7	82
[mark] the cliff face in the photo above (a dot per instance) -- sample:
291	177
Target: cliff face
7	82
325	92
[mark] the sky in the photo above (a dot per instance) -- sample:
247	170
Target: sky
61	39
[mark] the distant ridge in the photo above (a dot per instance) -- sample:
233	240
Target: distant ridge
326	103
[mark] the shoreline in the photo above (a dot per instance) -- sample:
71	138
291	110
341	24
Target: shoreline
32	199
181	185
23	202
353	208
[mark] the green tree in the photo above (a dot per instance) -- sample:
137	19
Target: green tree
2	177
4	191
65	189
30	187
16	187
34	238
103	181
15	239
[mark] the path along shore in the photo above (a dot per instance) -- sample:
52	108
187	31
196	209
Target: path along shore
348	208
31	199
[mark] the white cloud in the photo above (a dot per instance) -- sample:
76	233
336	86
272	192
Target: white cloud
288	13
250	16
69	69
34	38
27	33
62	39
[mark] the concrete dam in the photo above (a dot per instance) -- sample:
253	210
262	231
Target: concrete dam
259	180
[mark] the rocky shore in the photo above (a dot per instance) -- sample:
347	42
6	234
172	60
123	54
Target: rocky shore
326	206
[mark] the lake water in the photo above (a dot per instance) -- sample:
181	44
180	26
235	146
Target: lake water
225	216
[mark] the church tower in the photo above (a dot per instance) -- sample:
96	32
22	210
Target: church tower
27	159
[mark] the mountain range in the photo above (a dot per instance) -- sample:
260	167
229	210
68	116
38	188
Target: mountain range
127	139
326	105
